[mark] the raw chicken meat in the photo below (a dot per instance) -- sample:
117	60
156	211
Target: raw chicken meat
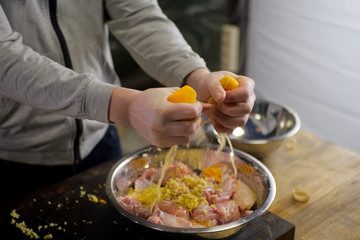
134	206
205	215
173	208
178	169
171	220
216	201
143	183
155	219
228	211
243	196
124	180
219	213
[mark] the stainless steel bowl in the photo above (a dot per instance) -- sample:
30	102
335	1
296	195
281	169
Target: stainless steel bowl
268	126
197	156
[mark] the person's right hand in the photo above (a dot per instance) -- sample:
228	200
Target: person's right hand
232	107
158	120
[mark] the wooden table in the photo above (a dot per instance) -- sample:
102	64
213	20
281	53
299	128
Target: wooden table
328	172
331	174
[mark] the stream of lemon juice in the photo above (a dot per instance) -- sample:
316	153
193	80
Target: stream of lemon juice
169	159
222	139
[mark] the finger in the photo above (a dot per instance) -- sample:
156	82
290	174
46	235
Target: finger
217	92
243	92
183	111
177	132
221	129
230	122
206	107
236	109
246	81
183	128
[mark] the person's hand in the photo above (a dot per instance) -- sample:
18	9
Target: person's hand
161	122
232	107
158	120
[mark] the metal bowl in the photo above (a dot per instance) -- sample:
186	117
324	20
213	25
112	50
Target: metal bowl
268	126
197	156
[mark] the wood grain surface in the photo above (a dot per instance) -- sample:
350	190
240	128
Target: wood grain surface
330	174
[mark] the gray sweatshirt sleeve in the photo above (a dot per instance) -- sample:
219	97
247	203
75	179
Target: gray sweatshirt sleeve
153	40
30	78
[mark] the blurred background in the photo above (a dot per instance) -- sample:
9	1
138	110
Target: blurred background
304	54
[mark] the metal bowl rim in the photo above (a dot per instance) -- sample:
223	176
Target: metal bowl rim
210	130
243	221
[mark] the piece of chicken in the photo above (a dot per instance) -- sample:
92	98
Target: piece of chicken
134	206
243	196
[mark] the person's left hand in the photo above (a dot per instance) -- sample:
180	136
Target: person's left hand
232	107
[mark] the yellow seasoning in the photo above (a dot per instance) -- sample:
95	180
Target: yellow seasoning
213	172
246	169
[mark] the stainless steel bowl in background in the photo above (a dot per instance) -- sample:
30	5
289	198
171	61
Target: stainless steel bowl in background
268	126
196	155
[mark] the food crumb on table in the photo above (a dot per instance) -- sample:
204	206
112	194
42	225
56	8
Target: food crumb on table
82	193
290	144
14	214
300	195
24	229
93	198
48	236
52	225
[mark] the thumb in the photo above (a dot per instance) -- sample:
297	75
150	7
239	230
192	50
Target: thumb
217	92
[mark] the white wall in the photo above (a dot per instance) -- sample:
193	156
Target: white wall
306	54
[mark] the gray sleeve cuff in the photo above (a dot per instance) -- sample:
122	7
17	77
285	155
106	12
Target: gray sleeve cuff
187	66
96	100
